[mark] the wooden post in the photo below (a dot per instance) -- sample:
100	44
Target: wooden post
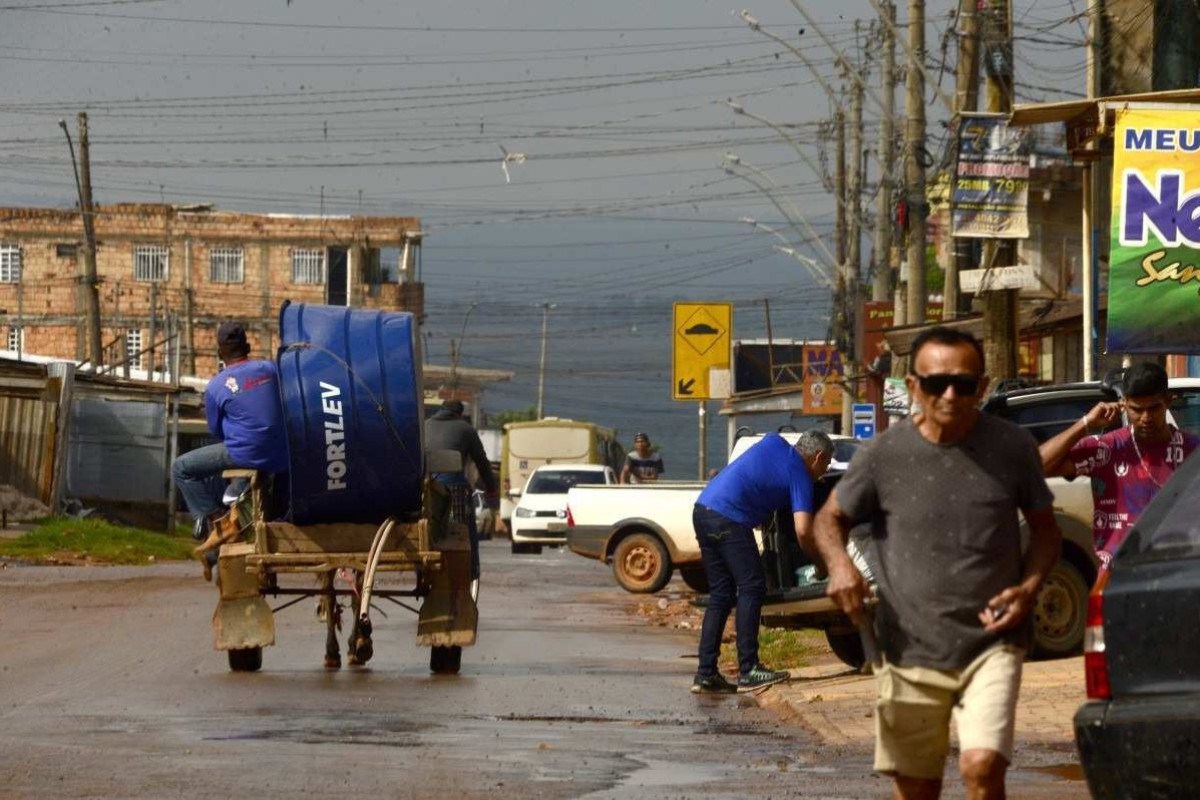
1000	306
966	98
914	167
885	269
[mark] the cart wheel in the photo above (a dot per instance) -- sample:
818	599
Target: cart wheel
248	659
445	660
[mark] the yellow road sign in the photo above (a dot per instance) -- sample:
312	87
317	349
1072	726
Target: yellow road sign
700	343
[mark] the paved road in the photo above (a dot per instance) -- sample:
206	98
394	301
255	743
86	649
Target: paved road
109	688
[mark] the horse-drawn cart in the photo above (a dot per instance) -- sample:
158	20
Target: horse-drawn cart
359	502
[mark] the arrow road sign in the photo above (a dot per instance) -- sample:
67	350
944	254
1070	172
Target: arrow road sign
700	344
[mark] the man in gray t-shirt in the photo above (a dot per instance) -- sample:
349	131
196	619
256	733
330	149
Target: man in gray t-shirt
941	493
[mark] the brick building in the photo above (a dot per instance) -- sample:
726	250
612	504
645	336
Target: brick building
188	268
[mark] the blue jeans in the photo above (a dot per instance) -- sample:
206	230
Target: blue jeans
198	478
735	576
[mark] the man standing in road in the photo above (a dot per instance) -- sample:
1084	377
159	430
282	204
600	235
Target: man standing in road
941	492
770	476
1128	465
642	465
245	416
448	429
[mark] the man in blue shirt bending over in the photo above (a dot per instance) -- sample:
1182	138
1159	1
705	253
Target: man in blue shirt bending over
770	476
245	416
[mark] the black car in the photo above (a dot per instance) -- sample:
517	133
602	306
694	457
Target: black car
1139	734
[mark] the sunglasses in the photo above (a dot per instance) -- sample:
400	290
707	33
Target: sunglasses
936	385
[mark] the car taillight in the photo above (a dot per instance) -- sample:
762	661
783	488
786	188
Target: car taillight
1095	659
570	519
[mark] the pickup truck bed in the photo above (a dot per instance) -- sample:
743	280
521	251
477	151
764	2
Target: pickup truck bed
643	530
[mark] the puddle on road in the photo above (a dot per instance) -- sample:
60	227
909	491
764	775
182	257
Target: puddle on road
668	773
1066	772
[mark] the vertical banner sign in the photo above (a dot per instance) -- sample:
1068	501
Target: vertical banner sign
991	179
1154	260
822	379
700	343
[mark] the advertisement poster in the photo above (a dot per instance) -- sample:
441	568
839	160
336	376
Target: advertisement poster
822	379
991	179
1154	261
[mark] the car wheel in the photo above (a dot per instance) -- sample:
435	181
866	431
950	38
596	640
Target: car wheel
848	646
695	578
525	548
1059	615
641	564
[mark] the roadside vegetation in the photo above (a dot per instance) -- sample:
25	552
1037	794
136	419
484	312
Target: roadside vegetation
778	649
93	541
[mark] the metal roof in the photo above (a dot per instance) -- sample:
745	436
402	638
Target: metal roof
1041	113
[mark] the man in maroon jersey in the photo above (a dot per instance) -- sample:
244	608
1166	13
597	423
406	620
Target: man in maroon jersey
1128	465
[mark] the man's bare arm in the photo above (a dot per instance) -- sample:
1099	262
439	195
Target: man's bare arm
829	533
1054	451
1009	608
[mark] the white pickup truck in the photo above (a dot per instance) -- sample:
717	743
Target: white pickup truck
644	530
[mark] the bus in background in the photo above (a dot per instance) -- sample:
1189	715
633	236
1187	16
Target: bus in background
528	445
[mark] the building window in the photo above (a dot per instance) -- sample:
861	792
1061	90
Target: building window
16	338
66	250
227	265
308	266
149	262
133	348
10	263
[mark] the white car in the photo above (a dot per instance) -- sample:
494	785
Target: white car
541	512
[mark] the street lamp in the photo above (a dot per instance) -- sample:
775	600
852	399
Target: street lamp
456	348
787	249
790	213
542	362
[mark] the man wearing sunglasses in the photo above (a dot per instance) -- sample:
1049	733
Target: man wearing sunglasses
1127	465
941	491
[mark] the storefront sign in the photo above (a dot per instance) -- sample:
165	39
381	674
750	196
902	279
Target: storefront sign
822	379
991	179
1154	262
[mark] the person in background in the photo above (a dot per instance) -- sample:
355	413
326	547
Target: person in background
642	465
245	416
448	429
1127	465
770	476
941	491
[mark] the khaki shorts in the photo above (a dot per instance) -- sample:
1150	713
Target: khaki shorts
912	714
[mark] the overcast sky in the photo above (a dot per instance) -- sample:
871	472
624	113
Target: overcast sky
618	207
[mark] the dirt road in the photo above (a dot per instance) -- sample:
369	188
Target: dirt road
109	688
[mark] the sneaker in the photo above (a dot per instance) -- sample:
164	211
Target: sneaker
712	684
761	677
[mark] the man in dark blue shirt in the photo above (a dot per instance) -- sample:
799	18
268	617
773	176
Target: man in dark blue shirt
770	476
245	416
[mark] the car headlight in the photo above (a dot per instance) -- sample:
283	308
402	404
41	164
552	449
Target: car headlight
524	512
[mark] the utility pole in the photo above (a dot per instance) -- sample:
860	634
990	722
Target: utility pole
88	287
542	362
851	294
966	98
1090	200
914	166
999	306
839	232
881	283
1176	60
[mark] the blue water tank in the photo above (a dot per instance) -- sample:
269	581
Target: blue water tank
352	403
